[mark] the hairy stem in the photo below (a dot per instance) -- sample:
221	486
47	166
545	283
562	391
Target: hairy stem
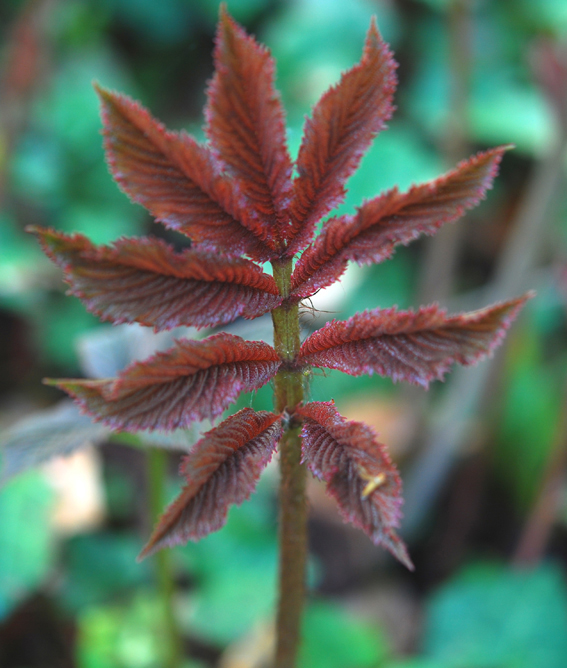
169	631
293	505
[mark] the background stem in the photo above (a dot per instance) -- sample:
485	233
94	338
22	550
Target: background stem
169	631
293	506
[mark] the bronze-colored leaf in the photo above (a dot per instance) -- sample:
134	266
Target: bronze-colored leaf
246	125
417	347
192	381
343	123
146	281
358	471
222	469
391	219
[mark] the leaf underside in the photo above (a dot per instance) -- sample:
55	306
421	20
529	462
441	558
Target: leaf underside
344	122
146	281
246	128
222	469
178	180
194	380
358	472
393	218
416	347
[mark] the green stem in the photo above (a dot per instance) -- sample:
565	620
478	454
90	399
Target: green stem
169	631
293	505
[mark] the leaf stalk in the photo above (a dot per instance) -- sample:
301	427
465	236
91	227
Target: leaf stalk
288	385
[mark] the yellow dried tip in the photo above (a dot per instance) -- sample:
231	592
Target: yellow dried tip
373	482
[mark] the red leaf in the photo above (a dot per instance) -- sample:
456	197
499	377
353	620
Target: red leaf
391	219
343	124
178	180
192	381
222	469
246	124
415	347
358	471
146	281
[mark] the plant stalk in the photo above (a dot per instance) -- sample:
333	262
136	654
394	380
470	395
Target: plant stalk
169	630
293	504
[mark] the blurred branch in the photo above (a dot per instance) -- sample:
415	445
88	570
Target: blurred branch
442	250
24	64
169	629
538	527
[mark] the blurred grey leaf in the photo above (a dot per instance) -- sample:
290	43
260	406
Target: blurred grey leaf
104	352
58	431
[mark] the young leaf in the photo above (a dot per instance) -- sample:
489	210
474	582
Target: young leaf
245	124
358	472
192	381
146	281
391	219
404	345
344	122
178	180
222	469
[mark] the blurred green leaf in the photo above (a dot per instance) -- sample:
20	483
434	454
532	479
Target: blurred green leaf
532	400
236	571
493	617
26	546
123	636
163	22
334	639
101	567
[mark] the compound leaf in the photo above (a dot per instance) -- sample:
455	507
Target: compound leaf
391	219
178	180
222	469
246	124
146	281
417	347
344	122
194	380
358	471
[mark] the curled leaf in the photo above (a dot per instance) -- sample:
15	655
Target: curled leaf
246	124
358	471
416	347
146	281
178	180
344	122
222	469
391	219
194	380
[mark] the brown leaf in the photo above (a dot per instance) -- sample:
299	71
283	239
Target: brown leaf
178	180
344	122
391	219
222	469
192	381
417	347
246	124
358	472
146	281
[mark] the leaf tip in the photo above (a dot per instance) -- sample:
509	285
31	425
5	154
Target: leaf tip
396	546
